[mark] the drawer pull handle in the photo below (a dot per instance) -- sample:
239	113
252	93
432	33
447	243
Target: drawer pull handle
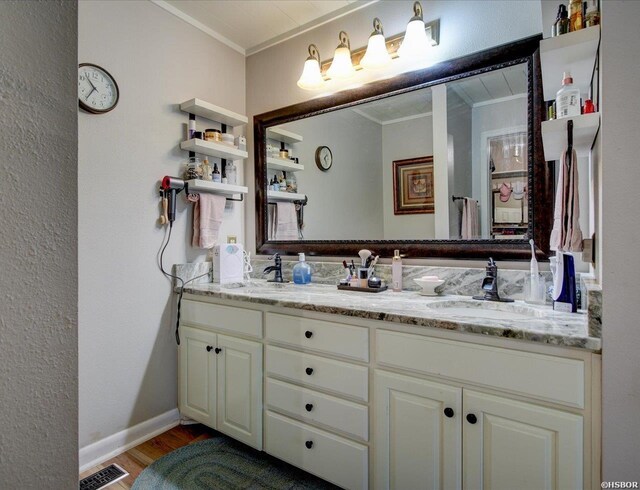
218	350
309	444
471	418
308	334
448	412
209	348
309	371
308	407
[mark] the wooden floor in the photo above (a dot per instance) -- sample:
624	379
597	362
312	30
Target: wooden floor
138	458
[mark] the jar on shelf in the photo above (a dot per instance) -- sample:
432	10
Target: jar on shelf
194	169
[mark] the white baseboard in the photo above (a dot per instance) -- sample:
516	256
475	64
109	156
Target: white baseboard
104	449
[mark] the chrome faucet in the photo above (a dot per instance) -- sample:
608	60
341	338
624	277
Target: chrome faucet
490	284
277	268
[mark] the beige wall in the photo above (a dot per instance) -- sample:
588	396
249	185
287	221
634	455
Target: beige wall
466	27
620	237
38	255
127	348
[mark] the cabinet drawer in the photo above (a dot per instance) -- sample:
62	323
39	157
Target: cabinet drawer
554	379
330	457
311	406
229	318
336	376
322	336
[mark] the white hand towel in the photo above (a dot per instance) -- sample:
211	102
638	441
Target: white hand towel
286	221
566	235
208	212
470	228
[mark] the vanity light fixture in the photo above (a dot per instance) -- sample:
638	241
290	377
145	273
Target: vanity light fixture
311	77
341	66
415	44
377	55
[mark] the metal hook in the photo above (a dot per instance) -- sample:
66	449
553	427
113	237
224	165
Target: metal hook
417	10
344	40
377	26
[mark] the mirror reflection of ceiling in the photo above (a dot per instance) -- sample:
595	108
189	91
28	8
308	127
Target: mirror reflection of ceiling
485	88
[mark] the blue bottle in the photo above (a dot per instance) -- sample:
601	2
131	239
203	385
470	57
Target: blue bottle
301	271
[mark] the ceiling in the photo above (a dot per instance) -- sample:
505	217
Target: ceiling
252	25
397	108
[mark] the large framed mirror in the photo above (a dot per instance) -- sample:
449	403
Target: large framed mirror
441	162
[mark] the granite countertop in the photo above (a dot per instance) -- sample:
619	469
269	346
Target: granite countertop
517	320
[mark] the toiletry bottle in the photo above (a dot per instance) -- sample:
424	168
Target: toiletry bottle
562	22
592	17
206	170
216	173
192	126
301	271
567	98
230	169
396	271
575	15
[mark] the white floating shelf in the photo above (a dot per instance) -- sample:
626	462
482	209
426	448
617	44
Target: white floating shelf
285	165
283	135
575	52
554	135
208	186
213	149
274	196
210	111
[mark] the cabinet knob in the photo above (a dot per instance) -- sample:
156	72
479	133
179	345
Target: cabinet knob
309	371
218	350
308	407
309	444
448	412
209	348
308	334
471	418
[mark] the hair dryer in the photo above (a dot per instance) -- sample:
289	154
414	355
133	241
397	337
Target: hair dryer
171	186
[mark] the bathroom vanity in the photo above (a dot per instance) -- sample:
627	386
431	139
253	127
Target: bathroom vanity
396	390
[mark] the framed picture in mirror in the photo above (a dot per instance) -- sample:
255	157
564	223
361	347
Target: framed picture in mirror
413	186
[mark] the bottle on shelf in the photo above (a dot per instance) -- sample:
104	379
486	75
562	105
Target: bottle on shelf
576	20
567	98
562	21
592	16
216	174
231	171
206	170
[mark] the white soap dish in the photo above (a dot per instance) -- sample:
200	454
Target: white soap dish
429	284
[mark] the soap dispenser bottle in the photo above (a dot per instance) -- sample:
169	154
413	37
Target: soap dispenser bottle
301	271
396	271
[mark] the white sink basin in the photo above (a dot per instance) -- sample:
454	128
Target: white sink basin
488	310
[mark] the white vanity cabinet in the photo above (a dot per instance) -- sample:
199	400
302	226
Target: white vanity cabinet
373	404
444	434
221	375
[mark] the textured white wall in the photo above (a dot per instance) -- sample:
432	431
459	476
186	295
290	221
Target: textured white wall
465	27
38	255
127	355
620	236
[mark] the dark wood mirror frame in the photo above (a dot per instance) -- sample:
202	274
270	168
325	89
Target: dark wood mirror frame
540	173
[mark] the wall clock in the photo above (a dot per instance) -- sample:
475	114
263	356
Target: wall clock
97	89
324	158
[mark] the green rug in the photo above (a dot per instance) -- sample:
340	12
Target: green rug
223	463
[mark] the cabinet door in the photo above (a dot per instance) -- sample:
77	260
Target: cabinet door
417	446
520	445
240	390
198	375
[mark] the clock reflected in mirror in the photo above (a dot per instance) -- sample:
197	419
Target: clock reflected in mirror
98	91
324	158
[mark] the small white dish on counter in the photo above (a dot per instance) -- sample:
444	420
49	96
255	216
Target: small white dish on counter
429	284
